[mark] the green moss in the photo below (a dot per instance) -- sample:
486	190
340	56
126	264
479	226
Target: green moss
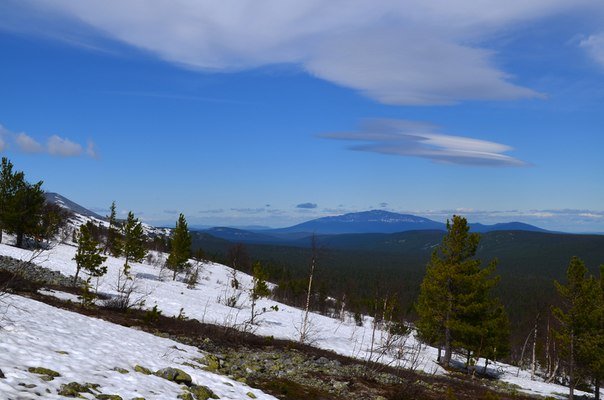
174	375
142	370
251	395
44	371
73	389
202	392
108	397
212	362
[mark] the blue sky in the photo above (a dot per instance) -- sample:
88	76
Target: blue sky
267	113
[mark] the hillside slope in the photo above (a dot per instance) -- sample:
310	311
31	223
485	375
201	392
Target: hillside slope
206	303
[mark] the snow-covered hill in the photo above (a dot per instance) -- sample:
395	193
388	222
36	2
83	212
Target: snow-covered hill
81	215
86	350
45	330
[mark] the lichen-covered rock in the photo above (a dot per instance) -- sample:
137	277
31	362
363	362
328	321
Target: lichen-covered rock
185	396
73	389
108	397
251	395
142	370
2	375
121	370
202	392
47	374
175	375
212	362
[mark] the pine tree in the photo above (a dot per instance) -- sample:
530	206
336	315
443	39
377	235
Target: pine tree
21	203
133	241
455	302
578	319
113	245
88	256
9	184
259	288
181	247
590	344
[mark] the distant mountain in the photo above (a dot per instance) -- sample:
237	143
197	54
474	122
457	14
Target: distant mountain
379	221
374	221
64	202
506	226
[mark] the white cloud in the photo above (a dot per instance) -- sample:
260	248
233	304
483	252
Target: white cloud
416	139
55	145
397	52
594	45
62	147
27	144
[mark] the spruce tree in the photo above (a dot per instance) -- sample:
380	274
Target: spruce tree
21	203
578	317
133	248
455	303
181	247
113	245
9	184
88	256
590	346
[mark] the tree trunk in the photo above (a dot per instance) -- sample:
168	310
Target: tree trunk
486	364
597	391
440	350
253	310
304	327
548	360
19	243
1	235
571	371
534	358
448	349
75	278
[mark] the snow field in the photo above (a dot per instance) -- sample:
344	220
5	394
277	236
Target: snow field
87	350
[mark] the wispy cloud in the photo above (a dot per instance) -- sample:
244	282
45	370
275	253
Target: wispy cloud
560	219
247	210
411	52
91	150
212	211
307	206
55	145
417	139
594	45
